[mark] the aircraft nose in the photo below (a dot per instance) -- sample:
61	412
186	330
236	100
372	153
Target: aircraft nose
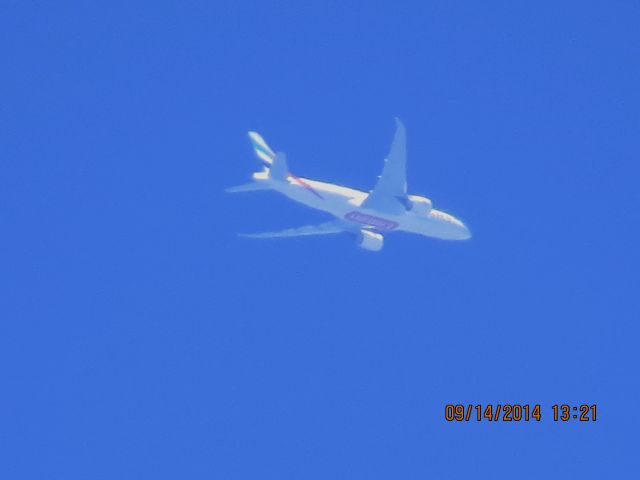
462	232
465	233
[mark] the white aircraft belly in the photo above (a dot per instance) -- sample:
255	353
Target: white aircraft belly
344	203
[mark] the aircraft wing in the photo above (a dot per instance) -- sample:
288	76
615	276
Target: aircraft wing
390	193
321	229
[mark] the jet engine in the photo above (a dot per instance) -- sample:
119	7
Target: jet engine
419	205
370	240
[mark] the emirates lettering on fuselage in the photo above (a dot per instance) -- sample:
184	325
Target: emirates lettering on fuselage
380	223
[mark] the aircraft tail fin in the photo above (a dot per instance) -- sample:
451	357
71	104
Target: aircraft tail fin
261	149
279	169
275	163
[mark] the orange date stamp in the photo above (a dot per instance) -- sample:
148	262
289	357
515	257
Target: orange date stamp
516	412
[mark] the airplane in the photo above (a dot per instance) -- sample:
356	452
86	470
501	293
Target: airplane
366	216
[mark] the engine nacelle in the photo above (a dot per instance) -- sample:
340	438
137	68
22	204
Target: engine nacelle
419	205
370	240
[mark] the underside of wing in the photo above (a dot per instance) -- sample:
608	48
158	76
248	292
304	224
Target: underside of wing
390	193
321	229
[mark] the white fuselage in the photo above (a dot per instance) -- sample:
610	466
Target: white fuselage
346	204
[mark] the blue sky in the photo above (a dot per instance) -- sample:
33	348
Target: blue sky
140	338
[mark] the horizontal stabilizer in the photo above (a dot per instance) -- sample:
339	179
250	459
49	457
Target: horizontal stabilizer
247	187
